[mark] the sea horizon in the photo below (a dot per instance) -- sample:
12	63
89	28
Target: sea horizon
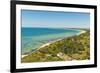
60	27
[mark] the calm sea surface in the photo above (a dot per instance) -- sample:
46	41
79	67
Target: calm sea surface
32	38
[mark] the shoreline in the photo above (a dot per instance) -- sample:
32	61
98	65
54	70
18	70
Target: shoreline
83	31
23	55
48	43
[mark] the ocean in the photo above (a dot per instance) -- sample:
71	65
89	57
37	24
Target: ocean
33	38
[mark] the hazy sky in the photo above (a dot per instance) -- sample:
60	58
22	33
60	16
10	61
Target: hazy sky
50	19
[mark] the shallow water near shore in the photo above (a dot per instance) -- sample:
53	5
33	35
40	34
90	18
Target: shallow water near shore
33	38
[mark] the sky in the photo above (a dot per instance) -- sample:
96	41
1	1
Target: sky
53	19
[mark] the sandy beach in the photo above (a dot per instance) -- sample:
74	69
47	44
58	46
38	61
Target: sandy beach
24	55
81	32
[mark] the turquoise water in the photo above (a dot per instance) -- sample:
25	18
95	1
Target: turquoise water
33	38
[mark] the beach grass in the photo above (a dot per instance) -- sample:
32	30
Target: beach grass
67	49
